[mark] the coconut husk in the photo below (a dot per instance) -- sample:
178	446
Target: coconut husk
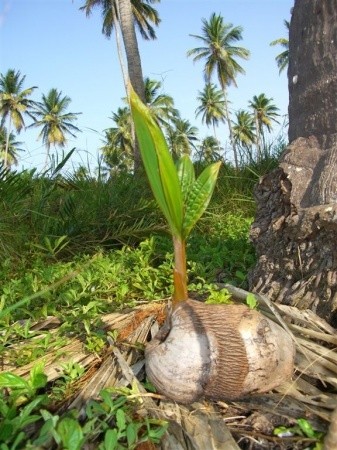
247	423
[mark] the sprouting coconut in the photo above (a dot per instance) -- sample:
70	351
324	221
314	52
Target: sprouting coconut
212	351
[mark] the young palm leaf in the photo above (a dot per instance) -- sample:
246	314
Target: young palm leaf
181	197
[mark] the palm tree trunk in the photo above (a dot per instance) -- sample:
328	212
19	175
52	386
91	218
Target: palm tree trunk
126	22
258	137
216	138
230	129
120	52
295	229
7	141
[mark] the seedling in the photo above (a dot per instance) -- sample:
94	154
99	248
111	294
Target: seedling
181	196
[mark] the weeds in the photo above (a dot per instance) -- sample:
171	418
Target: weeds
112	422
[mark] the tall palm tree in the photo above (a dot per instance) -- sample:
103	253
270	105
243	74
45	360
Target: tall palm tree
221	56
209	150
124	15
14	104
56	123
212	106
9	147
282	60
244	131
160	105
265	113
118	145
182	137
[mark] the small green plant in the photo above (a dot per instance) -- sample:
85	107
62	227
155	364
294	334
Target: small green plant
252	301
111	423
53	247
305	429
18	405
218	296
181	196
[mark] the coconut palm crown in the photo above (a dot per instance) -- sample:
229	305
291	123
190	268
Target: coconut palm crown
56	122
14	103
282	59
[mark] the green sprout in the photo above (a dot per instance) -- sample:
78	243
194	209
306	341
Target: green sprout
181	196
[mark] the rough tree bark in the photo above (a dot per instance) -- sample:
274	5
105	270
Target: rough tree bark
295	230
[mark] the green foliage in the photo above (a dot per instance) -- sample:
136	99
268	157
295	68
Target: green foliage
220	250
58	216
111	422
251	301
101	284
305	429
216	296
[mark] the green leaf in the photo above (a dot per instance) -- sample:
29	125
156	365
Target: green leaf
47	431
199	196
11	381
306	428
158	164
186	175
156	429
131	433
110	440
71	434
31	406
251	301
38	379
120	419
18	439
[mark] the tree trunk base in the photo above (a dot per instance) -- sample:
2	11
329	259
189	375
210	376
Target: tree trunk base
295	231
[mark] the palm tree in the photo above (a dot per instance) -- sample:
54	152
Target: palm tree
182	137
51	114
212	106
160	105
9	147
244	131
144	14
265	113
14	103
124	15
209	150
220	54
282	59
118	144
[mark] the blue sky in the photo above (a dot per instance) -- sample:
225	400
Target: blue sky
55	45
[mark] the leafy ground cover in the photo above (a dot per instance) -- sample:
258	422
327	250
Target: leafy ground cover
101	283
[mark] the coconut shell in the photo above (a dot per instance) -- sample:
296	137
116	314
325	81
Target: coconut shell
221	352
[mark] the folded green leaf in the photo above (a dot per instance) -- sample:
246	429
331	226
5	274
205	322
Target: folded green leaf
199	197
186	175
11	381
71	433
158	164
